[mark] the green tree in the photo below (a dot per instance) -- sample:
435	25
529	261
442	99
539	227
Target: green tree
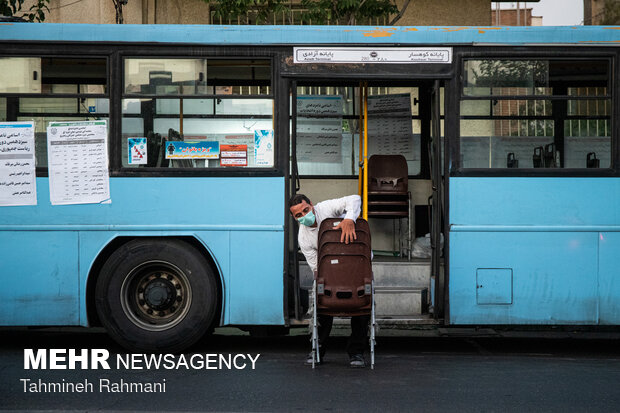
345	12
14	7
611	13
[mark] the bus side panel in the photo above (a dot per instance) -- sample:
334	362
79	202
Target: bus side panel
38	273
609	277
256	286
523	278
539	241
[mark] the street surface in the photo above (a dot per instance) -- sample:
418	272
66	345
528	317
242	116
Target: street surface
447	370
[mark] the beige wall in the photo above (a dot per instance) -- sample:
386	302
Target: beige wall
419	12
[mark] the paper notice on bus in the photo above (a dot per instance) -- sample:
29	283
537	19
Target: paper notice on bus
389	126
17	164
319	129
263	147
78	162
233	155
136	149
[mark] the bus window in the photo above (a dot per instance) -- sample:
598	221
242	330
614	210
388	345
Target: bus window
535	114
203	102
20	75
34	75
30	81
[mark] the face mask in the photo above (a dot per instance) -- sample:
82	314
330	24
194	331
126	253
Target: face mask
308	219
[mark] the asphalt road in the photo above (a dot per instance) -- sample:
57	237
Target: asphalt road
440	370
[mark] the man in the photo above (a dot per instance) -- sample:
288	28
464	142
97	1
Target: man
310	217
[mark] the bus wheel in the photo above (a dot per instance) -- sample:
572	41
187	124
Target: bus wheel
156	295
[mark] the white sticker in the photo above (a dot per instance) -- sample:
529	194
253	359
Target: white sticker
336	223
334	262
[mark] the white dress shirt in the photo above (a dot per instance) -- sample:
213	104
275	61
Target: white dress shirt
347	207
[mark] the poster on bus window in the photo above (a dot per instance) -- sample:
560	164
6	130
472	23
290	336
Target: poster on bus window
137	152
263	147
389	126
192	150
17	164
234	155
319	129
78	162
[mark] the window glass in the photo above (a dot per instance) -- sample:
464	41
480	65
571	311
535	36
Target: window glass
328	127
160	124
2	109
570	131
53	75
20	75
530	77
156	76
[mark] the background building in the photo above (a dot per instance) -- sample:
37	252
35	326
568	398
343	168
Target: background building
515	17
418	13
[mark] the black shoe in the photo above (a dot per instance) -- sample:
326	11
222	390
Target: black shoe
309	360
357	361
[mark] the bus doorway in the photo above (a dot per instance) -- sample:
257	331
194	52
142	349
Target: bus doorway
368	138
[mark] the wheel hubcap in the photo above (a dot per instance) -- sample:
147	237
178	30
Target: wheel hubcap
156	295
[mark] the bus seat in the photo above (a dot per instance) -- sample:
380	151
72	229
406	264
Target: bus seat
343	285
388	186
344	271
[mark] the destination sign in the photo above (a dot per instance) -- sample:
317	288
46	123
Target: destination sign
373	55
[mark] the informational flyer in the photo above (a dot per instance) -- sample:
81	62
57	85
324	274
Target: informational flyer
319	129
192	150
242	139
234	155
136	151
17	164
78	162
263	147
389	126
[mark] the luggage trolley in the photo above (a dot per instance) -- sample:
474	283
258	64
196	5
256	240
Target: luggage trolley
344	285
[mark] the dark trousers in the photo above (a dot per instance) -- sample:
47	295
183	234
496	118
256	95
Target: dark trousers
359	333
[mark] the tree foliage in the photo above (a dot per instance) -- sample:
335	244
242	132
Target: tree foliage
611	13
345	12
14	8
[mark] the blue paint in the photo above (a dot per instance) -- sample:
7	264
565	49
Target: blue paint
494	286
39	273
298	35
229	227
550	232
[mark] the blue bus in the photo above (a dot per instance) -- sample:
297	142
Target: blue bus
510	137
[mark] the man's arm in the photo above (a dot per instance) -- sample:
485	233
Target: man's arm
350	206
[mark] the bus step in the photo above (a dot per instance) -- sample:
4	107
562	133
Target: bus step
401	301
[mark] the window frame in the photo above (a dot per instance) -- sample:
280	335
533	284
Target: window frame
575	53
209	53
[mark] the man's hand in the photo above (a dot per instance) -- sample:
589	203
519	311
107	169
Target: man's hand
348	230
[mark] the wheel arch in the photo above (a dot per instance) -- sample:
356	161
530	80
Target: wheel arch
119	241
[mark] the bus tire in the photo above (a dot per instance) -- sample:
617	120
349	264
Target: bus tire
156	295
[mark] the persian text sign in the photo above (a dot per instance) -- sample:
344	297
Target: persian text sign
373	55
192	150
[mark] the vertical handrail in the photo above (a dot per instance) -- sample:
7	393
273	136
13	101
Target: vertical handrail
365	183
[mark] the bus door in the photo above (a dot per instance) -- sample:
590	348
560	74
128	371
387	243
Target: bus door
330	121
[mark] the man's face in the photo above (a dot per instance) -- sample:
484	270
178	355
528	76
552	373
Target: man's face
300	210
